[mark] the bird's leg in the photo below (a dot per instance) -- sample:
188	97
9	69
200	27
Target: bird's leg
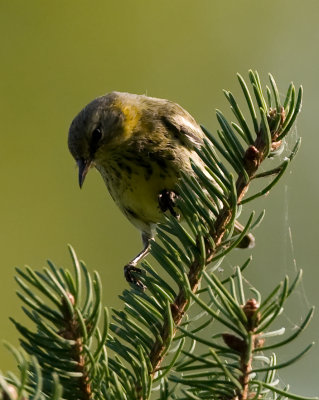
131	266
167	201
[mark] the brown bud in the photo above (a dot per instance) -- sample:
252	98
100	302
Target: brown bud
71	298
252	157
272	113
250	309
234	342
259	342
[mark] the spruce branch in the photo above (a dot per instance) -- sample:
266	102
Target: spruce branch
236	360
269	133
30	384
68	341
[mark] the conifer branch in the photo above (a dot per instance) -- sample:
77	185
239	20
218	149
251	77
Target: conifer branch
266	142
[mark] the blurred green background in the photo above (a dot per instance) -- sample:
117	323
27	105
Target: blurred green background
57	56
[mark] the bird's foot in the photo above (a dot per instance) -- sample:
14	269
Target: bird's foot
130	272
167	201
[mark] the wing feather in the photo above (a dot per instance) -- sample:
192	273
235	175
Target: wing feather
183	125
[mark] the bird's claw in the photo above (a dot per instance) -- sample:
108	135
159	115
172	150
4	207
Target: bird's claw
130	272
167	201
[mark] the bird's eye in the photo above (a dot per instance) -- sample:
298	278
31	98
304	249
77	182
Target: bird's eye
96	135
95	139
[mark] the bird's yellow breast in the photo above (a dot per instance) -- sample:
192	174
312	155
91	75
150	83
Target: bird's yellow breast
135	182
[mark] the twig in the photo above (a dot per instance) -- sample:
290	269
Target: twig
73	331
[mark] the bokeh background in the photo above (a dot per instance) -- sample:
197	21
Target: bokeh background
57	56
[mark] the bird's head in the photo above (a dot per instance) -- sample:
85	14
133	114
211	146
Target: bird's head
93	131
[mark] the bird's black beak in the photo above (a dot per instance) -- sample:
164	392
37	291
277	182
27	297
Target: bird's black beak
84	166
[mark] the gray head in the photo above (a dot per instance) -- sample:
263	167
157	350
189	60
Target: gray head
93	129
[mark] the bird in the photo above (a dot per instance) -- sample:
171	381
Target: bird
140	145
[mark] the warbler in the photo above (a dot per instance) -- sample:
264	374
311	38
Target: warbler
140	145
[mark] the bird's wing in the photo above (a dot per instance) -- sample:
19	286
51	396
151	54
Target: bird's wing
183	125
